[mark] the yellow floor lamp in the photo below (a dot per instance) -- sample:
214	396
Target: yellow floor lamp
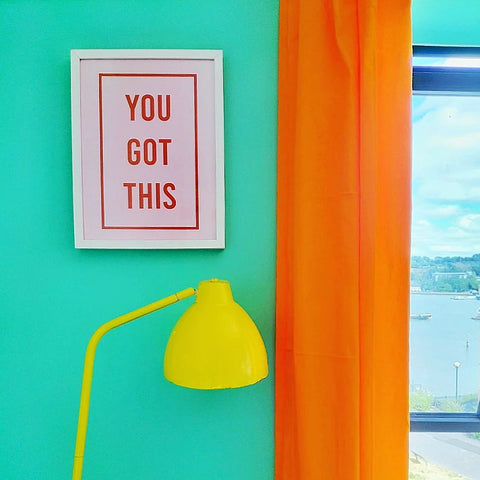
214	345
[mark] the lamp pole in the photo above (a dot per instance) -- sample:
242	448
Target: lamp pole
88	369
456	365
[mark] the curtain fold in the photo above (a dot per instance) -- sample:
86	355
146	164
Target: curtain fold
343	240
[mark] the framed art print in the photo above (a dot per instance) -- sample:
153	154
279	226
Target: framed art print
147	145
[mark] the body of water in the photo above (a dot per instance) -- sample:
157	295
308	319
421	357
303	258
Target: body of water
435	345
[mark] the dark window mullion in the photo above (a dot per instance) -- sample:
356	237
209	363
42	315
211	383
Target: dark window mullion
445	51
444	422
446	79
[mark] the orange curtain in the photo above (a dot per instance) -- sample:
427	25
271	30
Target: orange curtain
343	240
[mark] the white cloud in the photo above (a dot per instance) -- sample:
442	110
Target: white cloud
460	237
449	191
443	211
470	222
431	241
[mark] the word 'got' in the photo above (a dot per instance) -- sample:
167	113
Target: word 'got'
148	152
151	195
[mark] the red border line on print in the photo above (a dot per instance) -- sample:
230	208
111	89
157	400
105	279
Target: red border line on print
197	212
102	189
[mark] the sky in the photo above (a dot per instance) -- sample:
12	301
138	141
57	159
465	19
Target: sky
446	174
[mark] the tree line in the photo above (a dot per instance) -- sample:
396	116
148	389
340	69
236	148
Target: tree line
424	272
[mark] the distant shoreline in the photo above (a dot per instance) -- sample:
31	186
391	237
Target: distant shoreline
456	294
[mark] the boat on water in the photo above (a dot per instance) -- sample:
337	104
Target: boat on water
420	316
464	297
477	316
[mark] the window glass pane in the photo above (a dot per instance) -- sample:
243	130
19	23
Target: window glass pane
420	61
445	274
440	61
444	456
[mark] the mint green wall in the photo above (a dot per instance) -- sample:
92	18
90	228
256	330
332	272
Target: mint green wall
446	22
53	297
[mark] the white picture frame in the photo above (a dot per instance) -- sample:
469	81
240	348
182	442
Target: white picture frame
148	149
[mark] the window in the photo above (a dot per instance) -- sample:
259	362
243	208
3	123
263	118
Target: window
445	267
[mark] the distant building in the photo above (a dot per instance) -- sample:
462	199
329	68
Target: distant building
415	289
451	275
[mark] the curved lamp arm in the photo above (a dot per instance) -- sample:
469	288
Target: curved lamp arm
88	368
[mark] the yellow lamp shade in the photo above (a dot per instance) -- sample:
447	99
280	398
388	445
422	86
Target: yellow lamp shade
215	343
